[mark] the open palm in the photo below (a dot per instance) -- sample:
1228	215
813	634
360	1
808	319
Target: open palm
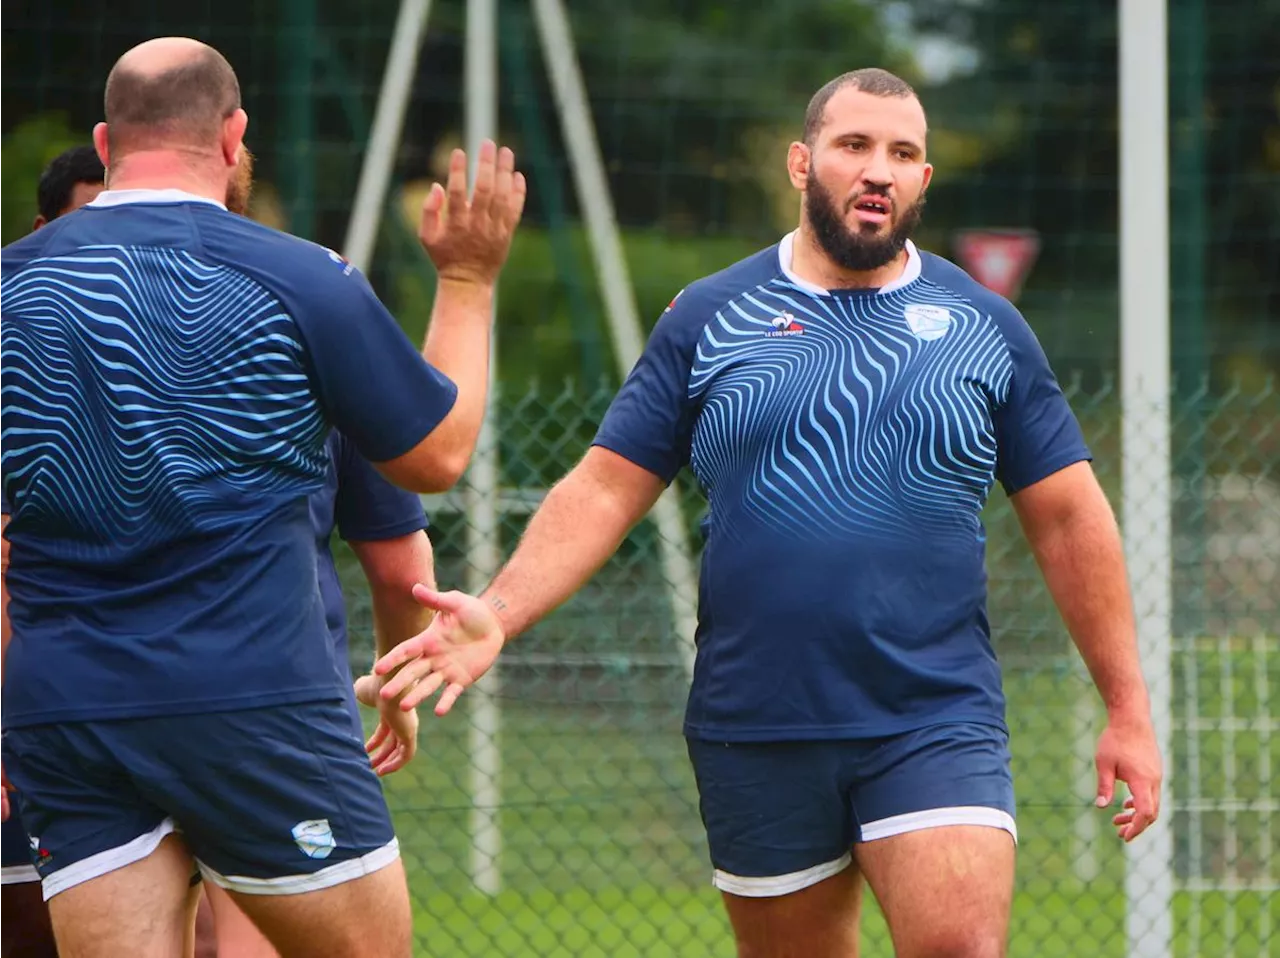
460	645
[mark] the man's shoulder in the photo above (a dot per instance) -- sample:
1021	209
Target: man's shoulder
19	253
704	297
244	242
943	273
292	268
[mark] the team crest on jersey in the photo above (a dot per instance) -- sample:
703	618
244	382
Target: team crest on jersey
928	322
315	838
784	325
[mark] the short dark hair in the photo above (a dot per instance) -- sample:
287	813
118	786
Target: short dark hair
80	164
871	80
184	104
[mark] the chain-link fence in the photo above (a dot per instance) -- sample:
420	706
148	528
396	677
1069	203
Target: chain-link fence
556	815
586	839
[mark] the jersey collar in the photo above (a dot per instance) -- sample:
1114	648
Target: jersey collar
124	197
786	250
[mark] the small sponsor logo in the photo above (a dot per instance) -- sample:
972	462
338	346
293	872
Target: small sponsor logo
784	325
315	838
340	260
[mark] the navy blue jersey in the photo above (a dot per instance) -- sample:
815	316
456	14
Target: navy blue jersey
846	442
363	507
170	375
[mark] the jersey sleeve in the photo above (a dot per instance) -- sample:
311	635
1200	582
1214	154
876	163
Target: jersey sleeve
1037	434
367	507
650	421
373	384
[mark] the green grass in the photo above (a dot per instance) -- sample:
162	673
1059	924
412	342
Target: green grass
603	853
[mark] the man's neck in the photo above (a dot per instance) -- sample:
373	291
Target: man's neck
810	262
164	170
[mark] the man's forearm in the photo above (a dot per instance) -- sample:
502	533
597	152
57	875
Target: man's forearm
457	344
574	532
392	567
1082	559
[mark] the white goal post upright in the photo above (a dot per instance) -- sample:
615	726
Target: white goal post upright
484	545
384	135
1145	431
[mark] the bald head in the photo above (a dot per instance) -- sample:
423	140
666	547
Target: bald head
169	93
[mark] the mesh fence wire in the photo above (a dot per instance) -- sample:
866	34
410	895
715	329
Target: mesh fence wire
557	814
588	842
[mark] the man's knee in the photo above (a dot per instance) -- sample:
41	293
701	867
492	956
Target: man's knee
967	938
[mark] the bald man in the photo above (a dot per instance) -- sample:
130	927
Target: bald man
170	374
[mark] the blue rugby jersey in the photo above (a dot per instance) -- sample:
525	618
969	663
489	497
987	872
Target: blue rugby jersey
846	442
361	506
170	374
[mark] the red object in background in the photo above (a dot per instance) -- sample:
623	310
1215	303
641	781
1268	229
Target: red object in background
998	259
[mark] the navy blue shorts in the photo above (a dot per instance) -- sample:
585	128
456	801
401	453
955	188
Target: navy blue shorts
271	801
15	850
781	816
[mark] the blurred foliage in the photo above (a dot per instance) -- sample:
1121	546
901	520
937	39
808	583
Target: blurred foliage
693	104
28	148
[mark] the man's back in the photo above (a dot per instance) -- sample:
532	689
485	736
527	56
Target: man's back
170	372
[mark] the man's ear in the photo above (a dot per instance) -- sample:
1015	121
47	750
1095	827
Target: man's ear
799	158
233	130
100	144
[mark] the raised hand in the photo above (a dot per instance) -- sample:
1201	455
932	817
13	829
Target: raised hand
468	239
459	646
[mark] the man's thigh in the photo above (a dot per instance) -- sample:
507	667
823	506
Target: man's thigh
936	838
143	909
281	810
365	916
779	829
944	891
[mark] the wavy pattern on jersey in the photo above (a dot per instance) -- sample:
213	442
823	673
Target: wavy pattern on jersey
856	425
144	388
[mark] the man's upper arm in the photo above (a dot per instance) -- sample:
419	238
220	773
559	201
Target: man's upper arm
368	508
650	421
373	383
1037	434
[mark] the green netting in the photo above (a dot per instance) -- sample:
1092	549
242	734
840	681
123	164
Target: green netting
601	850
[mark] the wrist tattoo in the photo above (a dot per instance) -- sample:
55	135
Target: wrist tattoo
497	603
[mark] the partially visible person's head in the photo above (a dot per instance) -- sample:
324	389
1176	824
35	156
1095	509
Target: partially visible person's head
172	95
72	179
861	167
